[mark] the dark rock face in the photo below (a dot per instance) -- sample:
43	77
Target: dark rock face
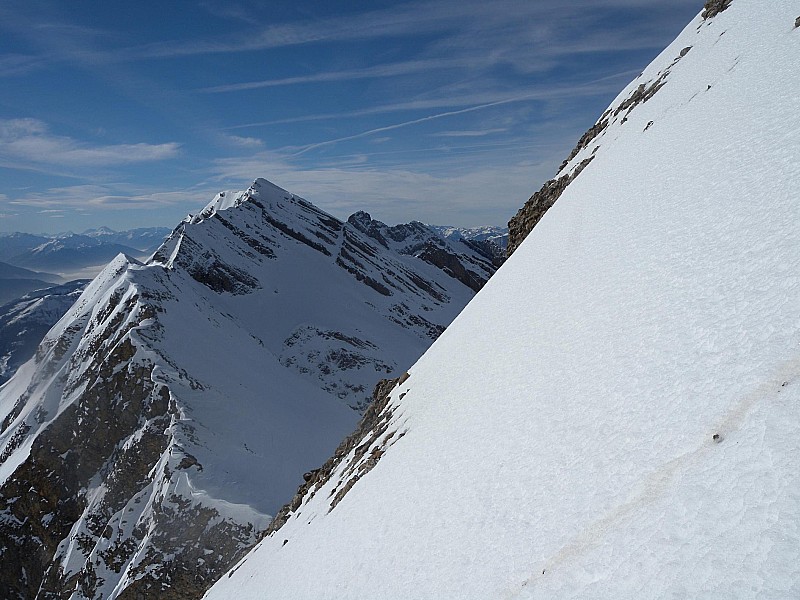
713	7
468	261
118	431
450	264
46	495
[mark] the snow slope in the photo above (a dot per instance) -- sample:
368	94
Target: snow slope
617	413
178	403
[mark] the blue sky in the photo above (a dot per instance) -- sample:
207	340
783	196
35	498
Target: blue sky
446	111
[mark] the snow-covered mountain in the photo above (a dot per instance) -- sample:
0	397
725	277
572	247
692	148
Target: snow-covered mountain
490	233
13	244
69	253
617	413
24	321
144	239
177	404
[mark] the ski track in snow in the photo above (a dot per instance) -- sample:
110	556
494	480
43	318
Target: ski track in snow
656	484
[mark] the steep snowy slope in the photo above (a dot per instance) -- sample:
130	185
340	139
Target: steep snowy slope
178	403
617	413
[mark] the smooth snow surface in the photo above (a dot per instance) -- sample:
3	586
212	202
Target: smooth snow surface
559	436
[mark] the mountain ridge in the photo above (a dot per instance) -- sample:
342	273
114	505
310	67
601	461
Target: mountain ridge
127	450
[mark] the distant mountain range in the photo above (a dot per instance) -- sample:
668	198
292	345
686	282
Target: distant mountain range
16	281
71	252
31	262
496	235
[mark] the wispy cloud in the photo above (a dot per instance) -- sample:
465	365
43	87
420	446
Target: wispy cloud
230	10
19	64
590	88
546	91
442	115
470	133
28	141
109	197
407	19
510	29
241	141
375	71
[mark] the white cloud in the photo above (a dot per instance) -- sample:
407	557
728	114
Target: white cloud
109	197
27	142
603	86
241	141
492	20
4	213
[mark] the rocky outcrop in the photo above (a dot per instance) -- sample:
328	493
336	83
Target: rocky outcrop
713	7
470	262
96	498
